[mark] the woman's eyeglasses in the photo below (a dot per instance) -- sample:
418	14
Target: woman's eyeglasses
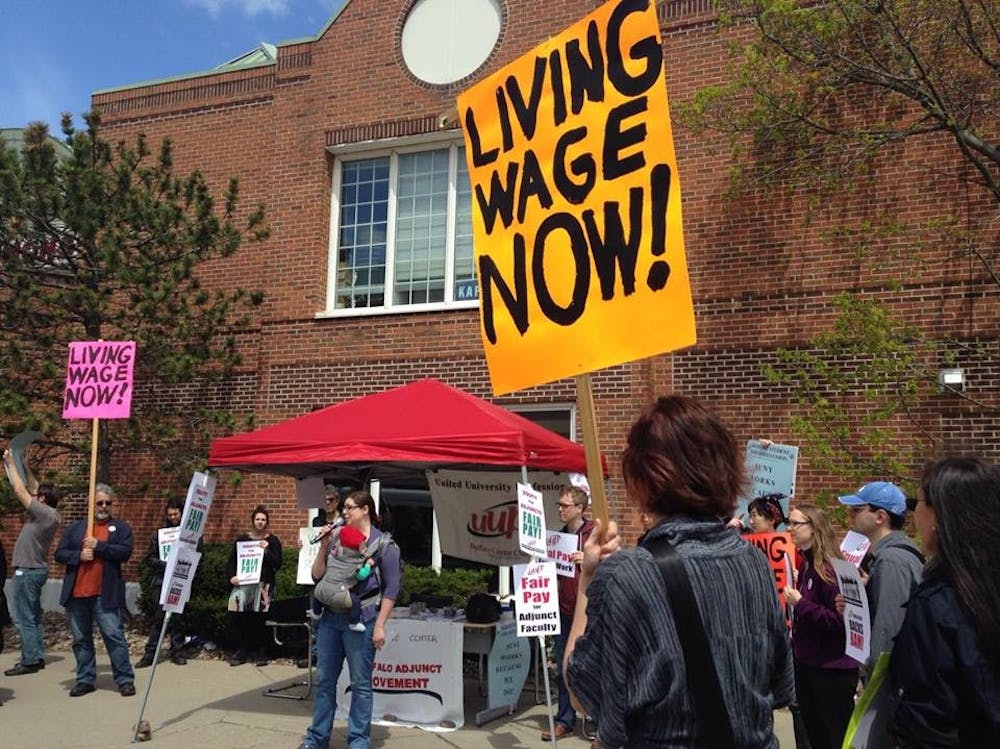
797	523
348	508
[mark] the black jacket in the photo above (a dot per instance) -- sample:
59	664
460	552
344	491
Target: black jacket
945	693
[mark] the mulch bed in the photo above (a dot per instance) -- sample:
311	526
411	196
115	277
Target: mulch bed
58	638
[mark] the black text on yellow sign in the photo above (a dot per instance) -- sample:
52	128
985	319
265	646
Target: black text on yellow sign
576	203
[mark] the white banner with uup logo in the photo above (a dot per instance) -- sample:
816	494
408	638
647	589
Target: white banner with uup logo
477	511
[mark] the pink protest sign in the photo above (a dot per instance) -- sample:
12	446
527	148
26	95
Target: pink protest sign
99	380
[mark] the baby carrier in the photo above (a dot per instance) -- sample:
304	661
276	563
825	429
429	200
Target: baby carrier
341	577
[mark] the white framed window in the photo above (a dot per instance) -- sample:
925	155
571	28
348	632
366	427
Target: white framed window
401	230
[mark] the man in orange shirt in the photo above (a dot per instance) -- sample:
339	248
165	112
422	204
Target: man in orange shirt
93	589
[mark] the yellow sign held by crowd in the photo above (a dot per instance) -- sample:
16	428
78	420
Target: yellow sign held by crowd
577	204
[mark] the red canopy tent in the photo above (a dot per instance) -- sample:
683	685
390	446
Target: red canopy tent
396	435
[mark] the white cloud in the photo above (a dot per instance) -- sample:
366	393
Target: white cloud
248	7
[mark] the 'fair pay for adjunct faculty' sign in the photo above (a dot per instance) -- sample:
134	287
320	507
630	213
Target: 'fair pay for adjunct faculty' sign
99	380
576	203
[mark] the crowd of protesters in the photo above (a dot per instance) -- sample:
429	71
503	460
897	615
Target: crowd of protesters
678	641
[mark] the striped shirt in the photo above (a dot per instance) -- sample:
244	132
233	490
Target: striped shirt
628	669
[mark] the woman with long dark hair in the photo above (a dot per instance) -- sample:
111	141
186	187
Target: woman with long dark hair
945	663
684	469
825	678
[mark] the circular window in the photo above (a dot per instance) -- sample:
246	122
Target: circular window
443	41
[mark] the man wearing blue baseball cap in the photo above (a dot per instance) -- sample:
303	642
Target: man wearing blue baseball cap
895	565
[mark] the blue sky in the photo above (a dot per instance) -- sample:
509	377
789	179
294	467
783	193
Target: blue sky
54	53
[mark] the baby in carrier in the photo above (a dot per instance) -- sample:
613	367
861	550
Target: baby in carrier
345	570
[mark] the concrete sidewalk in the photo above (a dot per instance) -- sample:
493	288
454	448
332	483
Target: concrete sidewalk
207	703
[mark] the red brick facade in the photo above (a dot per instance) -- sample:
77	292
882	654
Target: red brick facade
761	278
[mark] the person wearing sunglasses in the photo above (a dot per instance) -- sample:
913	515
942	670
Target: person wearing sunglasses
94	591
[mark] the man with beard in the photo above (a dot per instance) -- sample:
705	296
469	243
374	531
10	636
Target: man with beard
93	589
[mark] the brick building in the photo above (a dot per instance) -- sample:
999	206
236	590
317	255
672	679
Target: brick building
368	272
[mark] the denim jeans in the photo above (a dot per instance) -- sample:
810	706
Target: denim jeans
565	714
334	643
26	595
82	613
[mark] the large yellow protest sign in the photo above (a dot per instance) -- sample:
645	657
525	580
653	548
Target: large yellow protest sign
577	204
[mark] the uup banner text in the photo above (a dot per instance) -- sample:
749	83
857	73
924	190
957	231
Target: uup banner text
477	511
576	203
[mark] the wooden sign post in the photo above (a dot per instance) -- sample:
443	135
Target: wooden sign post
576	210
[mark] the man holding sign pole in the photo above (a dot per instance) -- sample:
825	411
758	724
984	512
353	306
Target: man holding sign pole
93	590
633	652
156	560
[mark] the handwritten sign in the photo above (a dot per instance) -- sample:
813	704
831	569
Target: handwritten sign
99	380
531	520
777	547
576	203
537	607
249	562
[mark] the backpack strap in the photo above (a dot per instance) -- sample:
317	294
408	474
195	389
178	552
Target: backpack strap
374	596
914	551
710	716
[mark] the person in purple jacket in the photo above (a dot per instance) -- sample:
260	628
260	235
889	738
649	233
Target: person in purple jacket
825	678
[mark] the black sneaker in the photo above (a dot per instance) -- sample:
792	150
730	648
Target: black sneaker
179	660
81	688
145	662
20	669
127	689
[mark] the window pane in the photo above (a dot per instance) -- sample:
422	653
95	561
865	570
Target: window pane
364	199
466	286
422	205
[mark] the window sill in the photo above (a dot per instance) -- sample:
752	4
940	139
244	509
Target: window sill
398	310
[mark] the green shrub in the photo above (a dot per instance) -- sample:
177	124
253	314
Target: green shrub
457	583
205	614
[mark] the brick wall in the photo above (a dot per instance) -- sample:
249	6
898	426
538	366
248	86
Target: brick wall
762	276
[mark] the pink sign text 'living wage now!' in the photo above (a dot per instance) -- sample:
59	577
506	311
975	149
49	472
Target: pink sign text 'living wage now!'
99	380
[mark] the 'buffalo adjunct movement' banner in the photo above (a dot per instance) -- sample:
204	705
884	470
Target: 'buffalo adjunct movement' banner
577	204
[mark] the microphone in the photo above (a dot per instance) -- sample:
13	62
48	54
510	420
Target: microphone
326	530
